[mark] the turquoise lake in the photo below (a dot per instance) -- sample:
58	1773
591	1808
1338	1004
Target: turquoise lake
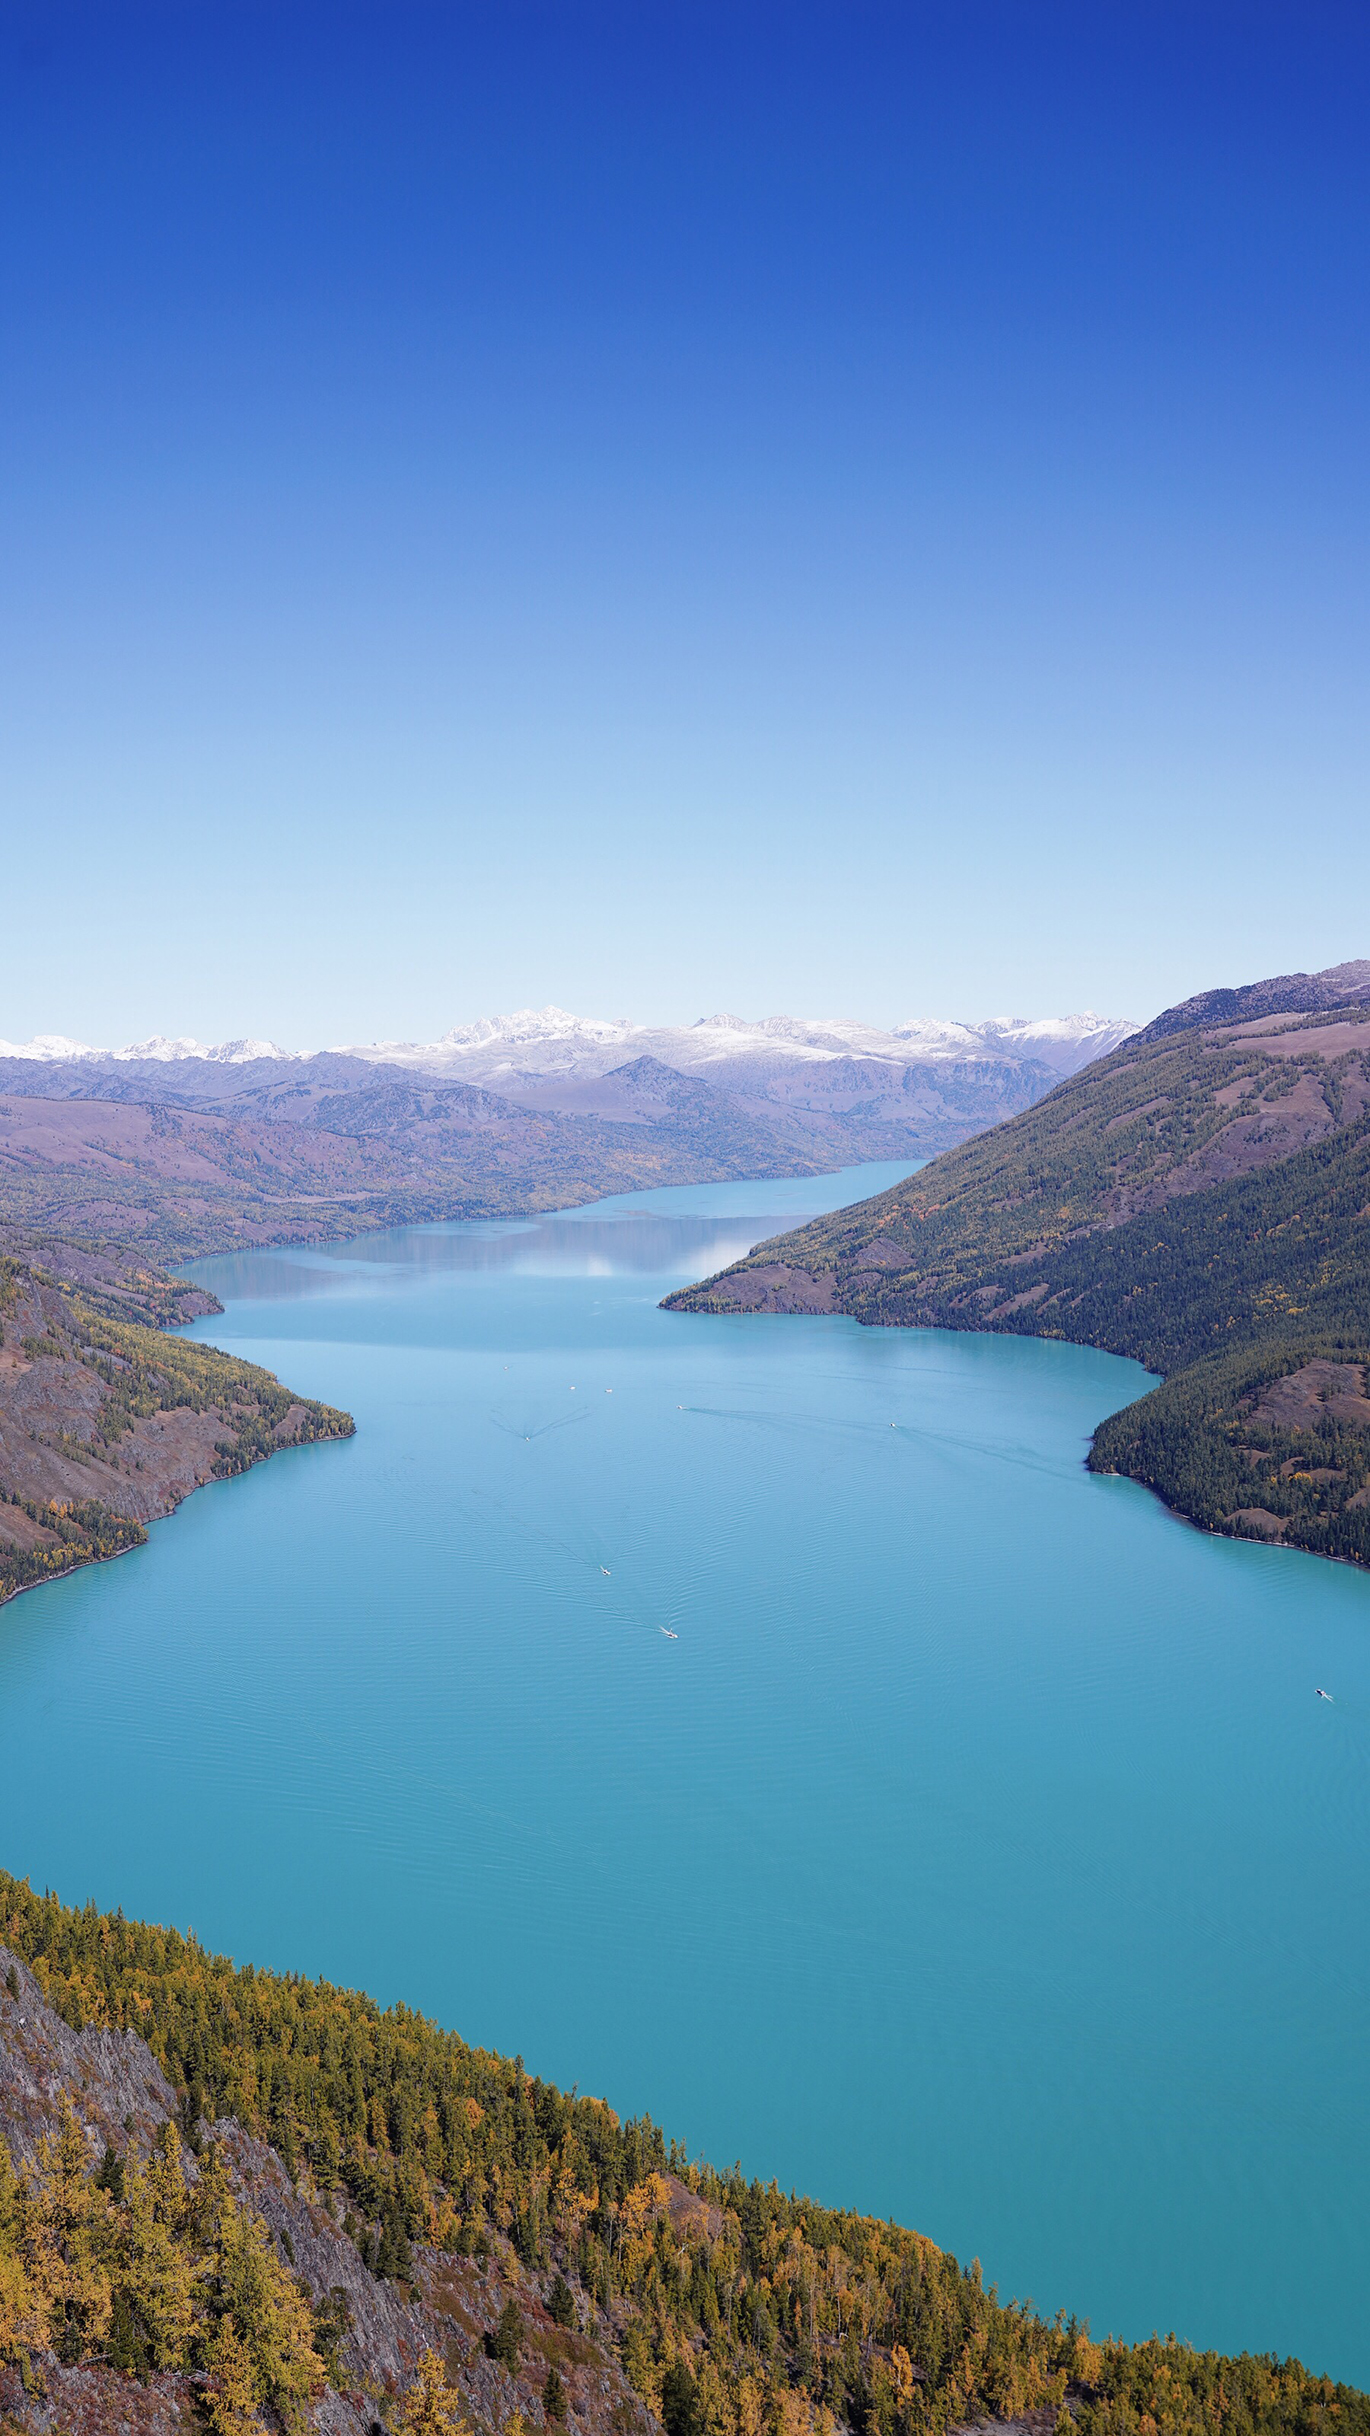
768	1724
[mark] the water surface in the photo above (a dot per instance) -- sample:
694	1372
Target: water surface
770	1724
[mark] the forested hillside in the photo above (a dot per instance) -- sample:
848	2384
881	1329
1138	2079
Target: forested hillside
105	1421
1200	1200
512	2249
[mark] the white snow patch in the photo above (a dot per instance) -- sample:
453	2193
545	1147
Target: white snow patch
547	1041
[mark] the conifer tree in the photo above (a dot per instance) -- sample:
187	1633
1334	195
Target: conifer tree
126	2344
111	2175
67	2238
158	2277
272	2317
561	2308
432	2406
233	2395
394	2259
506	2343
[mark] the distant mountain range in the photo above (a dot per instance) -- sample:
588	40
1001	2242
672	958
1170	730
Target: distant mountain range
246	1142
1199	1199
840	1090
504	1049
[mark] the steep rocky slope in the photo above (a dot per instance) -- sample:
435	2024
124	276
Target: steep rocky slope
375	2326
1199	1200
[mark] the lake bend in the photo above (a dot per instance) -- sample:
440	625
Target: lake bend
770	1725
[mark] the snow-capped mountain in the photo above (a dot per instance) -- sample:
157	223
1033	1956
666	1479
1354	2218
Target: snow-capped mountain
549	1041
1063	1042
789	1087
51	1048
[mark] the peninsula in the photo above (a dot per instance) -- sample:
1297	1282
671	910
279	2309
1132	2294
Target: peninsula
1199	1199
105	1421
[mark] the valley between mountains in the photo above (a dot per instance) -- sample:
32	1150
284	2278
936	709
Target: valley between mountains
1195	1197
258	2204
115	1164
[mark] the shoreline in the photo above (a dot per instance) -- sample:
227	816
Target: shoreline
682	1303
214	1480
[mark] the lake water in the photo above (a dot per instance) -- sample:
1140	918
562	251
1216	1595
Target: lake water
770	1724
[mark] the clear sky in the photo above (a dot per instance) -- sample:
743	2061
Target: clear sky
846	508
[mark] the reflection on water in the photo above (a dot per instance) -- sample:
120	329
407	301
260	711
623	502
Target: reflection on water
680	1232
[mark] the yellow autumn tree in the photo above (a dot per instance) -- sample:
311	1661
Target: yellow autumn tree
271	2316
23	2318
156	2268
645	2200
66	2239
572	2207
233	2396
790	2415
432	2406
713	2413
751	2406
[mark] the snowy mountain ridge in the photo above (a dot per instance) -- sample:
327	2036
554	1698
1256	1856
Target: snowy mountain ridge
54	1049
550	1041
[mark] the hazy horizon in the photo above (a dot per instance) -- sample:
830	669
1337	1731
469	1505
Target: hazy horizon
53	1041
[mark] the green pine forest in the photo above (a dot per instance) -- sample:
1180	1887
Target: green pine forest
746	2312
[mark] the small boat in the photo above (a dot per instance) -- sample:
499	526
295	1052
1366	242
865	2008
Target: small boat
604	1568
670	1636
1322	1695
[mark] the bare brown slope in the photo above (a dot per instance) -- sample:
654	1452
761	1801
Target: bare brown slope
398	1150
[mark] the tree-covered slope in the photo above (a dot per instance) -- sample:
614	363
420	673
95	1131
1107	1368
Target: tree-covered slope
651	2285
105	1421
1200	1201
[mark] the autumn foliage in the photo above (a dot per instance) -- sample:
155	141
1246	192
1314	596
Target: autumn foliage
736	2310
168	2273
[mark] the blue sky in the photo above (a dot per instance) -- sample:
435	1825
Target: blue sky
844	509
